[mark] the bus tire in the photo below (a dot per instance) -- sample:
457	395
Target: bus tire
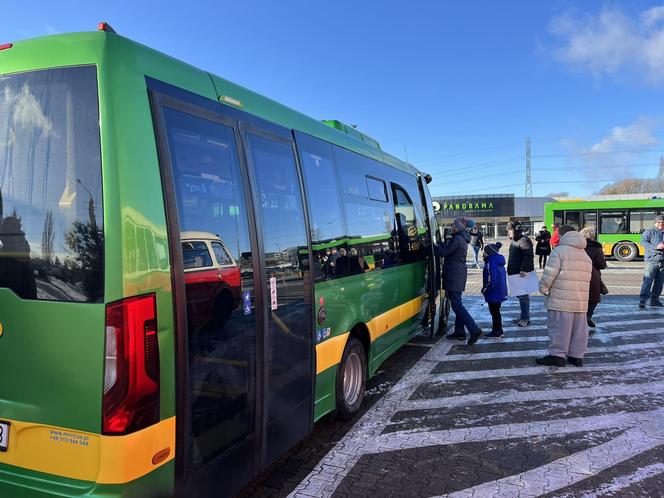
351	379
625	251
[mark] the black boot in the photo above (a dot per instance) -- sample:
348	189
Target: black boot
591	323
474	337
577	362
456	336
494	334
551	361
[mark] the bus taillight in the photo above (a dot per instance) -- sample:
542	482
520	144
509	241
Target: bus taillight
4	46
131	376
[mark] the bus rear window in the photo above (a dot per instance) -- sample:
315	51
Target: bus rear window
51	223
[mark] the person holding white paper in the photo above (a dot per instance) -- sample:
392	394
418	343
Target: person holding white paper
566	282
521	262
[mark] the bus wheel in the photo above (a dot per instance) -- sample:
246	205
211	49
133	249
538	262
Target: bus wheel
351	379
625	251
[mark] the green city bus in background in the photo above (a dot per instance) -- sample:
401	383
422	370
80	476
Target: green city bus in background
191	274
619	223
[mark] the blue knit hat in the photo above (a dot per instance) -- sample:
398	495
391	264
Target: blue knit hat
493	248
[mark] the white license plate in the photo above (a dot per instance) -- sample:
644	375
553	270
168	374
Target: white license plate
4	435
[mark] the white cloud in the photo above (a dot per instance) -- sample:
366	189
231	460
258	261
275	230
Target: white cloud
653	16
624	151
635	137
612	41
25	112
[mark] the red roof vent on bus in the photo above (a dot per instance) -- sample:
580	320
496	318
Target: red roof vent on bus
6	46
104	26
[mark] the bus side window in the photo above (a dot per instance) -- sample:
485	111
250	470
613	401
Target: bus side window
369	214
407	233
195	255
613	222
558	217
590	219
326	219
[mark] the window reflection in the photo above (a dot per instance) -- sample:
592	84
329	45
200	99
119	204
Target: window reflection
218	274
355	226
51	232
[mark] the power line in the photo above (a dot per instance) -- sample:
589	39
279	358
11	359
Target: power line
540	156
488	189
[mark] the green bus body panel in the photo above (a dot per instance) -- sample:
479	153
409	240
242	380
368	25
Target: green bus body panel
357	300
325	399
21	483
48	344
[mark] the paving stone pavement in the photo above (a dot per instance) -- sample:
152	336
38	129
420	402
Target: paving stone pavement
485	420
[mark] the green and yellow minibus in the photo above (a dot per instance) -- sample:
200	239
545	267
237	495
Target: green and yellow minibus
619	223
191	274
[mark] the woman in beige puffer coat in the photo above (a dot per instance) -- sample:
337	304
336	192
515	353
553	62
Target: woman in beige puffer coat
565	283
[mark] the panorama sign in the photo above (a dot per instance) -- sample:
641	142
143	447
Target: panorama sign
481	207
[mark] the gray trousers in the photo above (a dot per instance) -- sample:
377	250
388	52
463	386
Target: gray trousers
568	333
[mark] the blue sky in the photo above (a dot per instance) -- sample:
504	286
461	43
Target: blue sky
458	85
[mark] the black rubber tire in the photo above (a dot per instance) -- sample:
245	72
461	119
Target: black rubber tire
223	307
625	251
354	351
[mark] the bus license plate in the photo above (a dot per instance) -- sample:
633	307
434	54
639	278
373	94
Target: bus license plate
4	435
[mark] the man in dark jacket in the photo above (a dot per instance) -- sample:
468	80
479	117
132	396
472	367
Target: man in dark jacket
653	269
521	262
455	273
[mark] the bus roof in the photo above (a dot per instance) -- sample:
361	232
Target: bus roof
101	47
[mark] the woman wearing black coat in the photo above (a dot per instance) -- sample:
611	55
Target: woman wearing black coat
455	273
595	252
543	248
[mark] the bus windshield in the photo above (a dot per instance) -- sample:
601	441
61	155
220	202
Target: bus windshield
51	233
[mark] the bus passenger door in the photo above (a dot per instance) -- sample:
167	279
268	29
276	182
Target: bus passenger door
433	273
287	351
215	298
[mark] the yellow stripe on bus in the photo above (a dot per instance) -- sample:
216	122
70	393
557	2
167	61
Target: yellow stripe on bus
328	353
87	456
382	324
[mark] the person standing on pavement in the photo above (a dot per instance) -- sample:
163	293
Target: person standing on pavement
455	273
543	248
494	286
555	238
653	269
476	243
595	252
566	282
521	261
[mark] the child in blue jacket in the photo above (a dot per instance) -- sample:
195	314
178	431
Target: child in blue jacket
494	285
